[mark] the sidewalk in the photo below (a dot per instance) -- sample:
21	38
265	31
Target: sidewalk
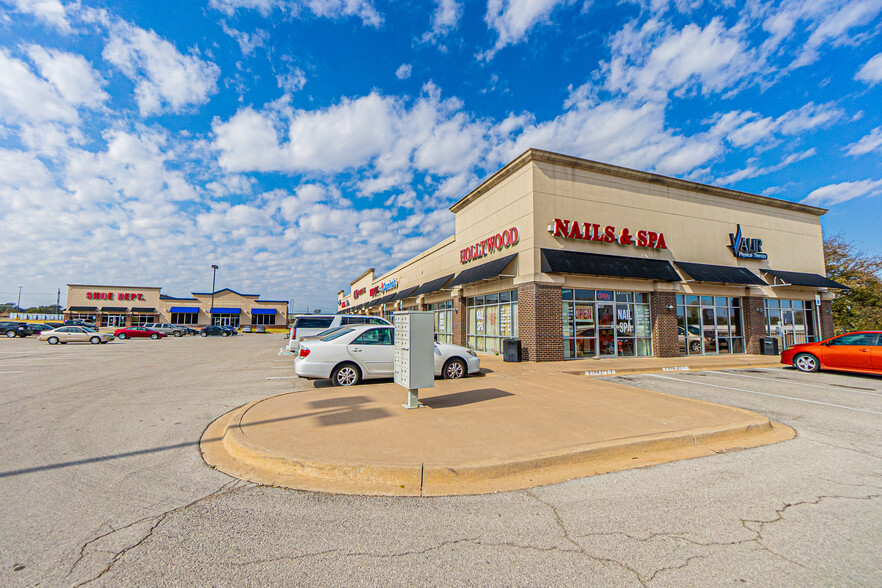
516	426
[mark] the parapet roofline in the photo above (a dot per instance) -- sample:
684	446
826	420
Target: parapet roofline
115	286
539	155
366	272
216	292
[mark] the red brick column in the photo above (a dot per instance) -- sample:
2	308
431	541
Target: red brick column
754	316
540	325
827	328
664	324
460	321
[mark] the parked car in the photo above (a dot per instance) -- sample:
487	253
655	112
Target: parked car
214	331
260	329
54	325
230	330
37	328
14	329
361	352
74	334
246	329
308	325
167	328
188	330
859	352
79	323
131	332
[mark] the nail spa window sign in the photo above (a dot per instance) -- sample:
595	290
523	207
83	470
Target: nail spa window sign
743	248
571	229
483	248
114	296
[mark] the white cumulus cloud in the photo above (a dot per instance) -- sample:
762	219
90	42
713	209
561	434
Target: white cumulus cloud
838	193
24	96
403	72
71	74
51	12
513	19
335	9
867	144
165	79
871	72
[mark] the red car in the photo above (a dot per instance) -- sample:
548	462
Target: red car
853	352
138	332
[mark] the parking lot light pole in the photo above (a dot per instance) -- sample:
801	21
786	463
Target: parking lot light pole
214	269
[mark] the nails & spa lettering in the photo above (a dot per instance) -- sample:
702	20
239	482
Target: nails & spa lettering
570	229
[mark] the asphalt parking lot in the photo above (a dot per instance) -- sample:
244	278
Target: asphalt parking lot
103	484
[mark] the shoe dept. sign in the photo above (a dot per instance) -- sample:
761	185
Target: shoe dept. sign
483	248
608	234
746	248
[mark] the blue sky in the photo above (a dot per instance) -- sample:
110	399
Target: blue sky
296	143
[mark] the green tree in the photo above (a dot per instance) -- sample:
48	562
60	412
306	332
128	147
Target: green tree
860	307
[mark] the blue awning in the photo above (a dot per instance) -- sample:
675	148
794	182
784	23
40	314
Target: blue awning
226	310
263	311
185	309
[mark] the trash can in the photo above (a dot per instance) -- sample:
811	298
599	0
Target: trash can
511	350
770	346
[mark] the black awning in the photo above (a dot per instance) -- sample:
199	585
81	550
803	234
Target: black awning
723	274
485	271
114	309
146	310
596	264
383	300
801	279
401	295
82	309
432	286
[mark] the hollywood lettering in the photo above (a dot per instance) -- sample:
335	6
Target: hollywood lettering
114	296
570	229
489	245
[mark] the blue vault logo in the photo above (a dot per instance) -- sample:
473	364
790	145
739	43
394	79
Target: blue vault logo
746	248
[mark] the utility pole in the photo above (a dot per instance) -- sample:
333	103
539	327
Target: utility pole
214	269
58	302
18	304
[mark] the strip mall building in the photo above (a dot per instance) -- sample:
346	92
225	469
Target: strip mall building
582	259
126	306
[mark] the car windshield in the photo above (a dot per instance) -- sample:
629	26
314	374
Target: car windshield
327	332
336	333
89	329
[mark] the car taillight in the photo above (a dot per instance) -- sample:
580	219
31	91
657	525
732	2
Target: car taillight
293	333
304	352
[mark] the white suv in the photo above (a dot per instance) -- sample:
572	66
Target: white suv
307	325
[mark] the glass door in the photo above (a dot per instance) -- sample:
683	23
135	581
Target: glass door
709	329
606	329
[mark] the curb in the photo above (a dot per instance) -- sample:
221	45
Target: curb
671	369
225	447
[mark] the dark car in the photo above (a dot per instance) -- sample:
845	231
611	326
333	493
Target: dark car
79	323
37	328
213	331
14	329
231	330
189	330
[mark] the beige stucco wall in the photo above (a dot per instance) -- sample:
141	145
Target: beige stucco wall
529	194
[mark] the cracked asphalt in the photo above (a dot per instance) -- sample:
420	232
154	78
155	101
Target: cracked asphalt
102	484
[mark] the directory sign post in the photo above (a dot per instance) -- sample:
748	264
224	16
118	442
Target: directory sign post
414	353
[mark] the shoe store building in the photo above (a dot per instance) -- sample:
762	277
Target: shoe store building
126	306
583	259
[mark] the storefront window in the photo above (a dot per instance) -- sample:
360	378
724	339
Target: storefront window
443	320
709	325
113	320
604	323
184	318
142	319
791	321
78	316
492	317
263	319
225	320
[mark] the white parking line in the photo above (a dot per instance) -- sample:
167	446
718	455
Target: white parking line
284	378
283	367
797	382
763	393
11	372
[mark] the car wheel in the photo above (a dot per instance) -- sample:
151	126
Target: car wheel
346	375
178	334
95	340
11	334
154	336
695	346
53	340
225	334
806	362
121	336
454	369
203	334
